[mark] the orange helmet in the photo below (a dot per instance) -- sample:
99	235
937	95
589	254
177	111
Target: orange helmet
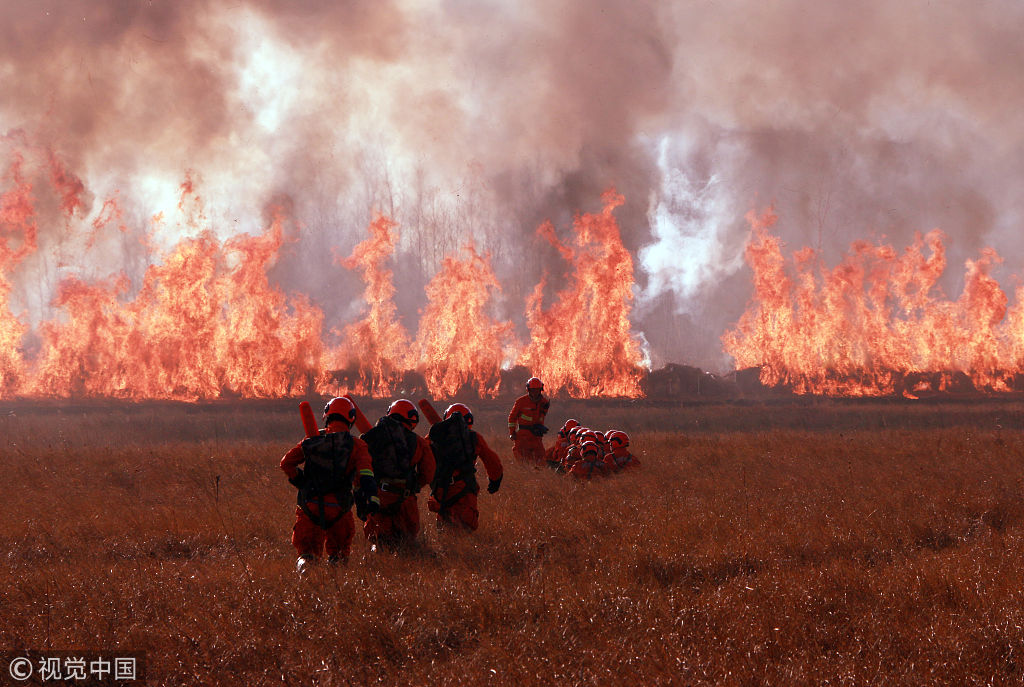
589	448
618	439
462	409
339	409
534	383
405	411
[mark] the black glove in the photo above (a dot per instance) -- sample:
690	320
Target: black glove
538	430
299	480
366	497
493	485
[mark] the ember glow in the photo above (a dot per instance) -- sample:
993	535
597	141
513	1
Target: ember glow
875	324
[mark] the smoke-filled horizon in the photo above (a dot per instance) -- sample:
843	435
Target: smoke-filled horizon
482	120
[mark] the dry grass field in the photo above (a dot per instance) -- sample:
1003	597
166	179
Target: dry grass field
777	543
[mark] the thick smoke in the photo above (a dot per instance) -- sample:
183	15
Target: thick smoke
482	119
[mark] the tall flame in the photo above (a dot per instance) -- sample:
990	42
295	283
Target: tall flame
583	342
377	346
874	320
459	342
18	232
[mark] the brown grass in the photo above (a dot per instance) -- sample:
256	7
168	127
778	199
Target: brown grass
801	543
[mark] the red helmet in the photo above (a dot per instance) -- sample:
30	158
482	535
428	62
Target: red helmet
405	411
618	439
589	448
534	383
339	409
575	432
569	424
462	409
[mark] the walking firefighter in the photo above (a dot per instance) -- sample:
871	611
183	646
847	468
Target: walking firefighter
402	464
456	448
325	467
526	423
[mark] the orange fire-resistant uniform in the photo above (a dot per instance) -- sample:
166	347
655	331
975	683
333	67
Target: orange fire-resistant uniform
572	455
462	504
556	454
527	413
621	459
399	515
588	467
307	537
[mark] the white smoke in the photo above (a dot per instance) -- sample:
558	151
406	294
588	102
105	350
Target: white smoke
690	223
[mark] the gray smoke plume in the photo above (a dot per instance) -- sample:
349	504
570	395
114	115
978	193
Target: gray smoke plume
480	119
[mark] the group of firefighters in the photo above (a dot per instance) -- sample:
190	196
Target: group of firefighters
579	451
382	470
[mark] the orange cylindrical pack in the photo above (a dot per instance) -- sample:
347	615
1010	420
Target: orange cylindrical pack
428	411
362	424
308	420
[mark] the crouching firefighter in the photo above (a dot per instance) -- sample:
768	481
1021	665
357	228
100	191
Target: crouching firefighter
402	465
333	463
456	447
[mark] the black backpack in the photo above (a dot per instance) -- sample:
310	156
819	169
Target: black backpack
454	447
326	471
392	448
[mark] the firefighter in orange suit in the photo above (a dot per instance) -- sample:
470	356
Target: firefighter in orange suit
556	453
526	423
333	463
620	457
402	465
590	464
454	490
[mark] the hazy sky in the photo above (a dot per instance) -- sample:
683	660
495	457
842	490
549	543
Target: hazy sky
476	118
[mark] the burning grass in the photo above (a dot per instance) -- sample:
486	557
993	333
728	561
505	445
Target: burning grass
887	550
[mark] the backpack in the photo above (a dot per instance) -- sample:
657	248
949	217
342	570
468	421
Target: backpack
326	471
392	448
454	448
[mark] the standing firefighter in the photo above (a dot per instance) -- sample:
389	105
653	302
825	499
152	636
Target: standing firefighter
334	461
456	447
526	423
402	464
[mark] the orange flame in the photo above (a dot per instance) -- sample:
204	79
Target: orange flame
17	227
69	186
459	342
874	320
205	323
583	342
377	346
